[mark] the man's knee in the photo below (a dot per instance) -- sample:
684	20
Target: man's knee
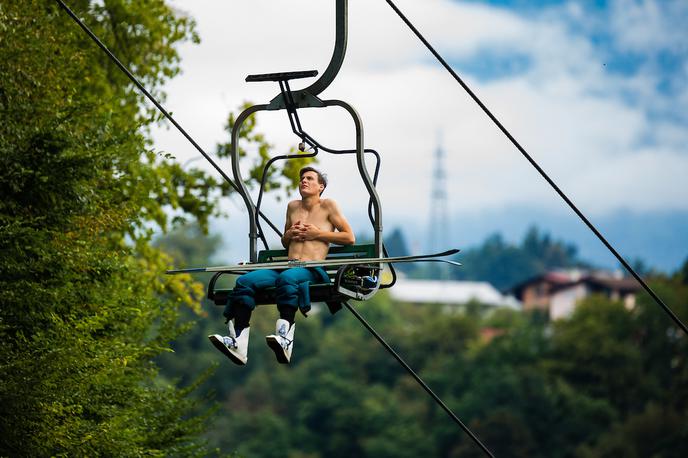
287	287
285	279
244	283
244	292
287	290
248	284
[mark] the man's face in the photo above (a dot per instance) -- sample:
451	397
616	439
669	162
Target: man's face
309	186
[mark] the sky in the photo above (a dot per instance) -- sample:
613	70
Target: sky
595	91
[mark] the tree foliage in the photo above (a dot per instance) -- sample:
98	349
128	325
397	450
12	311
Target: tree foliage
504	264
608	381
86	307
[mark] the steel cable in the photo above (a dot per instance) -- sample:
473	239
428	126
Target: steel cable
418	379
544	175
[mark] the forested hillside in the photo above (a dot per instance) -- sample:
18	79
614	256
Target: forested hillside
607	382
496	261
506	264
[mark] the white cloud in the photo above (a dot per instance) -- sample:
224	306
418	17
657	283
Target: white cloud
639	180
566	109
647	26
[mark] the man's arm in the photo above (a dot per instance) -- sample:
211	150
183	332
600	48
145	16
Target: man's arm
344	235
288	229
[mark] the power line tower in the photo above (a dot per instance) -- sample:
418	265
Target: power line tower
439	208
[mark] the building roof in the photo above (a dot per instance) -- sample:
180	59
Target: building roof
450	292
623	285
561	279
554	278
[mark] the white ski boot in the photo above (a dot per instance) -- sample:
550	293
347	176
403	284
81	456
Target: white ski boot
282	342
235	348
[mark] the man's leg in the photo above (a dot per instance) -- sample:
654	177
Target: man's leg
241	301
288	282
287	298
238	311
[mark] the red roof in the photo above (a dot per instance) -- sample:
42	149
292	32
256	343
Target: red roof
562	279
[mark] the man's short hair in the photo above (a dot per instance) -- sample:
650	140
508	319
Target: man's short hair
322	177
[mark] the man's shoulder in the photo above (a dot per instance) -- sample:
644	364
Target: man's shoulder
328	204
328	201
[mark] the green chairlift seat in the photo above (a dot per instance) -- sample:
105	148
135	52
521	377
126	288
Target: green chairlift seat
346	282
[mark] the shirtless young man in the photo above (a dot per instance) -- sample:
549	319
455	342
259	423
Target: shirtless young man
312	223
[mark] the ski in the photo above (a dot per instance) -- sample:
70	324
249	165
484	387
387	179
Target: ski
324	263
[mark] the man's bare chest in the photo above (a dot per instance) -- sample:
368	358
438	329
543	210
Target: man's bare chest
316	216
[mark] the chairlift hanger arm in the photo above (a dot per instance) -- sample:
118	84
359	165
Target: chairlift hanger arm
340	42
307	97
306	138
313	143
253	230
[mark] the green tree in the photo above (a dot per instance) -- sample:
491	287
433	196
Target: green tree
634	359
596	352
657	431
192	355
506	264
497	262
547	253
86	306
682	273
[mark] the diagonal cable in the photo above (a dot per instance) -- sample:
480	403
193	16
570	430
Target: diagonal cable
544	175
157	104
418	379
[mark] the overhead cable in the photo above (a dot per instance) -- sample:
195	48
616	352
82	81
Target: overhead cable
418	379
544	175
145	92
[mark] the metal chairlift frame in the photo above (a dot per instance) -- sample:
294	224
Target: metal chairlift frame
291	101
307	98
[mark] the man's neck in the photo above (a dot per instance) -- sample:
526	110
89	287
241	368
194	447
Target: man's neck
310	202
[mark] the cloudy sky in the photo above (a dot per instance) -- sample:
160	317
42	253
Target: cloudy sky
595	91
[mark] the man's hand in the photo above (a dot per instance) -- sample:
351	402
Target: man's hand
302	232
292	233
306	232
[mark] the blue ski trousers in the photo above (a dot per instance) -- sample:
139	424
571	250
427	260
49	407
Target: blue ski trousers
291	284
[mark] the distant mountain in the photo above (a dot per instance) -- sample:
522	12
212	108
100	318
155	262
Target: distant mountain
658	238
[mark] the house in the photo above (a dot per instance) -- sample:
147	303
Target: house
449	293
557	292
